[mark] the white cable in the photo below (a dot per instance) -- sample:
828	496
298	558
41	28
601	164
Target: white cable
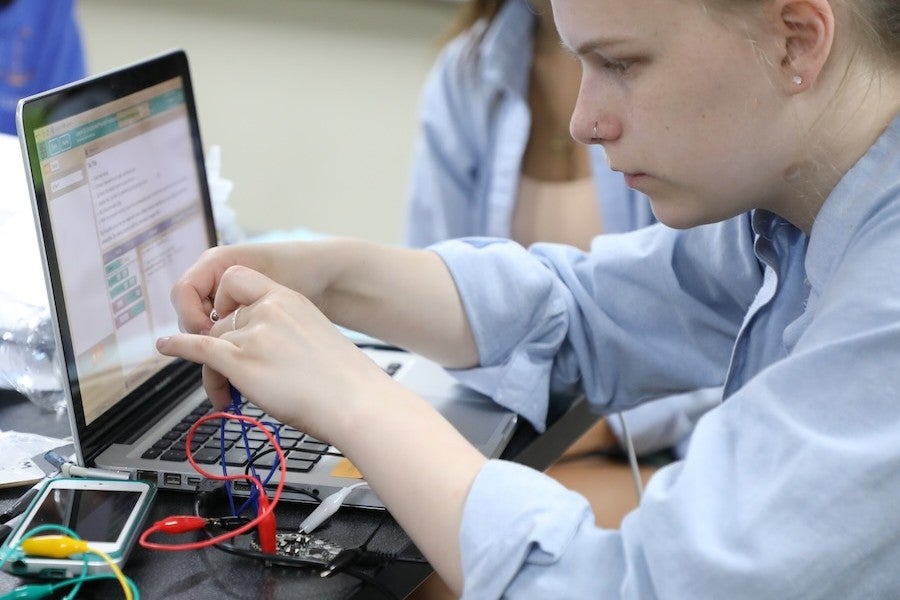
328	507
71	470
632	459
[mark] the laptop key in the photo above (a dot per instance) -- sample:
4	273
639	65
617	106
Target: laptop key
312	446
174	456
289	433
217	444
229	436
299	466
236	457
301	455
207	456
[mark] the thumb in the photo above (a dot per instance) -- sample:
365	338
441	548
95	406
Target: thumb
217	356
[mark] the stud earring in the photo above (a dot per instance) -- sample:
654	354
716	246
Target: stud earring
595	130
797	80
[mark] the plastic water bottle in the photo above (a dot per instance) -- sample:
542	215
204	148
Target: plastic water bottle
220	189
28	361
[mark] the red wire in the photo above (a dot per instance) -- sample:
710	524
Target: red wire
263	514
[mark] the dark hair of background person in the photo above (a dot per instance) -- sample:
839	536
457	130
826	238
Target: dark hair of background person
469	13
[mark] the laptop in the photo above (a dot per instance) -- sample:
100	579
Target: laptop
122	208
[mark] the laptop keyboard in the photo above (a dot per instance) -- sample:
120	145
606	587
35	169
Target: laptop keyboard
210	441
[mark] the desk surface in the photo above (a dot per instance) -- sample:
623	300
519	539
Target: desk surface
211	573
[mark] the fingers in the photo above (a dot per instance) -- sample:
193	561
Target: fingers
217	387
216	355
239	288
192	298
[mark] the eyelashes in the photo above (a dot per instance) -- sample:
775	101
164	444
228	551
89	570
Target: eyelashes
617	66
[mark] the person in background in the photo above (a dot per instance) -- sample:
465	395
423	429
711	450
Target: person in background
40	48
767	135
495	157
494	154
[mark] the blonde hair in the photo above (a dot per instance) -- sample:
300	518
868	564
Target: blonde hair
874	24
877	27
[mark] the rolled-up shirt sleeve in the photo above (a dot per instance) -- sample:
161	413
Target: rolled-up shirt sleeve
553	318
507	550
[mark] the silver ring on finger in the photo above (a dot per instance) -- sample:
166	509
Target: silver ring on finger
234	317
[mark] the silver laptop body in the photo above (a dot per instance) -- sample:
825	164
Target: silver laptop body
122	208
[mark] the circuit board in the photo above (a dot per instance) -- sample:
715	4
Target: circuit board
306	547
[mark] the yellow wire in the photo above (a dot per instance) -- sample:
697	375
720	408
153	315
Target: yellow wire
116	571
61	546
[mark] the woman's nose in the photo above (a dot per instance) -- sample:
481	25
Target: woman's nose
597	130
591	122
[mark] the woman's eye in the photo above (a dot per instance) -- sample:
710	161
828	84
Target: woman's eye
619	66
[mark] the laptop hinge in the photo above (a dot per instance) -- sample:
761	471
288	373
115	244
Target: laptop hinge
153	398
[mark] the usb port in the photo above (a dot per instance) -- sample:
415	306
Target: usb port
240	486
146	476
193	481
172	479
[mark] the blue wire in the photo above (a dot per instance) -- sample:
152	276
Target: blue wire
253	498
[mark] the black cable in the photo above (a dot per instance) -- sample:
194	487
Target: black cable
381	521
260	454
371	582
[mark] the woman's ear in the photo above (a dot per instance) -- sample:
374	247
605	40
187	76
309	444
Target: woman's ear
805	30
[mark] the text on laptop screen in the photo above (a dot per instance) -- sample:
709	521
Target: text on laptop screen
128	218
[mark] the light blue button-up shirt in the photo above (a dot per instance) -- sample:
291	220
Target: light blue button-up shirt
790	486
474	126
475	122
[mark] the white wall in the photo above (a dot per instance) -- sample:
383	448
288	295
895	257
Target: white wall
312	101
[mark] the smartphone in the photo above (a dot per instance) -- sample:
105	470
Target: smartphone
106	514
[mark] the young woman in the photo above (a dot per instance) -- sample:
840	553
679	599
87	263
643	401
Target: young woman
495	158
768	130
494	154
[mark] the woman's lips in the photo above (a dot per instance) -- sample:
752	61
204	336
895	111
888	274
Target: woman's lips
634	179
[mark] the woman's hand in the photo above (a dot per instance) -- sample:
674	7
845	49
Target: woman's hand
360	285
274	346
194	292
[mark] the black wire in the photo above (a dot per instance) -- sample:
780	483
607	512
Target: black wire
365	580
381	521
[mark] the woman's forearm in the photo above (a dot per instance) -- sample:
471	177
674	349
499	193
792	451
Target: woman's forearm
403	296
393	453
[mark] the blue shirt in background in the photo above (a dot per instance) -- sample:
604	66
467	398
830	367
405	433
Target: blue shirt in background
474	126
40	48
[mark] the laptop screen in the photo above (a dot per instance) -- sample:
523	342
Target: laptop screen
121	196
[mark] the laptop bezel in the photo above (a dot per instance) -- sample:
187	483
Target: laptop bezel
178	378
